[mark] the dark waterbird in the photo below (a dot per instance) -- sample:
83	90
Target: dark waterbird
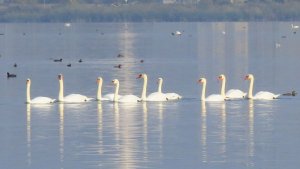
118	66
58	60
15	65
293	93
80	60
10	75
69	65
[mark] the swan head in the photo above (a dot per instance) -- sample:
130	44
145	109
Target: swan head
221	77
60	77
115	81
99	80
143	75
160	80
28	81
202	80
249	77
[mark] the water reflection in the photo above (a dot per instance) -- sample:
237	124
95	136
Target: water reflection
251	132
145	130
61	131
100	128
215	138
203	131
28	130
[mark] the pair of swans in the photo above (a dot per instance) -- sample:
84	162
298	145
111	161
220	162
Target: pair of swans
236	93
71	98
156	96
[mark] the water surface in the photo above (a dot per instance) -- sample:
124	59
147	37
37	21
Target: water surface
179	134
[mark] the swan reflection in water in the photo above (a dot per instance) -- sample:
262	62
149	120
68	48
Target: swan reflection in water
251	132
100	127
61	131
216	149
203	132
28	130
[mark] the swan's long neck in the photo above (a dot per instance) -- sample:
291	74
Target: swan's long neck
223	87
250	91
203	91
116	96
144	91
28	93
160	81
61	90
99	91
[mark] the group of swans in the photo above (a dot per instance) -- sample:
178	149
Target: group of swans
234	94
156	96
115	97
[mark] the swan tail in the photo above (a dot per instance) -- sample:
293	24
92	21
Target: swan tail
89	99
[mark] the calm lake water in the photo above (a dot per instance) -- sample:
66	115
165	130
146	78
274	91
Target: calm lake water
179	134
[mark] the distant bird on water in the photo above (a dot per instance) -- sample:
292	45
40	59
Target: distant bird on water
80	60
118	66
294	26
15	65
58	60
120	56
178	33
69	65
9	75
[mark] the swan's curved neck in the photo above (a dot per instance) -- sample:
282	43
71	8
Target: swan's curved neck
144	91
116	95
223	87
99	91
250	91
203	91
160	81
61	91
28	93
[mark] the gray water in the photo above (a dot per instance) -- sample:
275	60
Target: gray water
179	134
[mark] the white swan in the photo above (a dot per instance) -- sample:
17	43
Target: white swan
72	98
99	90
213	97
126	98
37	100
232	93
294	26
158	96
262	95
170	96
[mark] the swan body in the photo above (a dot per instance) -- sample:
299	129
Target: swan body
158	96
72	98
210	98
126	98
36	100
232	93
262	95
173	96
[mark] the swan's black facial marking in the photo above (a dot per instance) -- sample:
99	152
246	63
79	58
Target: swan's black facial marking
140	76
60	77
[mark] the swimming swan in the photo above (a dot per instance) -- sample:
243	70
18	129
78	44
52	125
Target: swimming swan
71	98
232	93
126	98
170	96
158	96
262	95
213	97
37	100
